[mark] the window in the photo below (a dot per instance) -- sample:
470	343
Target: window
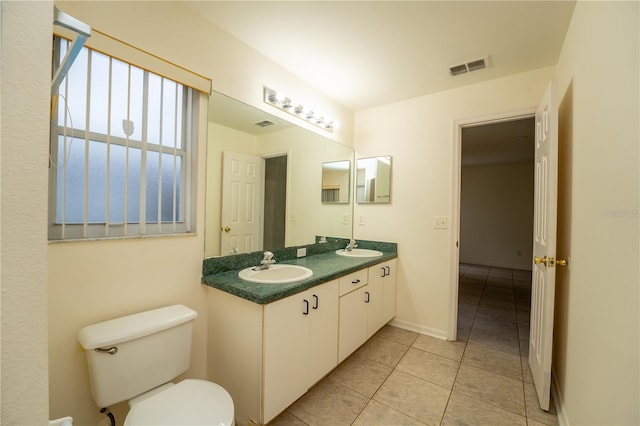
121	147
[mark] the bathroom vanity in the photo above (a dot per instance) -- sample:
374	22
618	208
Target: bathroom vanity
269	343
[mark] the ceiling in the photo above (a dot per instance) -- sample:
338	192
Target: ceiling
363	54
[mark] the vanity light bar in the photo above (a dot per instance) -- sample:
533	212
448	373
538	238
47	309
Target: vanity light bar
308	114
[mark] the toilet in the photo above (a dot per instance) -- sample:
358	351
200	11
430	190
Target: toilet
135	358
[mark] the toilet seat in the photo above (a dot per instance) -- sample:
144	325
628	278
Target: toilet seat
190	402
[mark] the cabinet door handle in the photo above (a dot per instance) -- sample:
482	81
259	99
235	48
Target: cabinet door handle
368	299
355	282
388	270
306	307
384	272
315	306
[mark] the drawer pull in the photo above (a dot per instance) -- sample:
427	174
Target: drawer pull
355	282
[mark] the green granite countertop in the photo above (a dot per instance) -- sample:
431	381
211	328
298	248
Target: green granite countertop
325	266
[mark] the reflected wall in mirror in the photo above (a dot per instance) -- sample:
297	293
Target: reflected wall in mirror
336	182
373	180
294	155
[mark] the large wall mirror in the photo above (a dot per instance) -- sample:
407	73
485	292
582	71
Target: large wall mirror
263	175
373	180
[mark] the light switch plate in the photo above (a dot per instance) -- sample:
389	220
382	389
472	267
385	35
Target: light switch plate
440	222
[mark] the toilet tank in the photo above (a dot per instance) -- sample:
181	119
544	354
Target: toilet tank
130	355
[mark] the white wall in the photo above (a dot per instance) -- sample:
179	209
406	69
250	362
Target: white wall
496	215
25	85
419	134
596	354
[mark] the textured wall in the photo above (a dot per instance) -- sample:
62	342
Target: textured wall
26	80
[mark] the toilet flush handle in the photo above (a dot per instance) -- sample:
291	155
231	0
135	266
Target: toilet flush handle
111	351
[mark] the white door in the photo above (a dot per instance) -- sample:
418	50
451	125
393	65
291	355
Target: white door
242	188
544	245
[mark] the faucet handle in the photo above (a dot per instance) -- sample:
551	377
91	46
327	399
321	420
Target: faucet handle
268	255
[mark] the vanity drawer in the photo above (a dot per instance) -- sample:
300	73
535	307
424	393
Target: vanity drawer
353	281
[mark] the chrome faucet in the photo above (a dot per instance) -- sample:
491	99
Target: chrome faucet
352	244
266	262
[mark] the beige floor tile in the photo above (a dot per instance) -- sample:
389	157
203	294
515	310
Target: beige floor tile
531	422
433	368
526	370
490	312
495	339
469	299
464	329
329	403
502	326
492	388
464	410
533	407
467	311
398	335
287	419
451	350
414	397
381	415
383	351
493	360
361	374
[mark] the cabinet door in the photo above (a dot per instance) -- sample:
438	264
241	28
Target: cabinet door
352	330
374	298
323	330
286	348
390	284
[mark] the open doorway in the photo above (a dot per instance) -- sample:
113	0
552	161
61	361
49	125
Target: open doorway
275	201
495	240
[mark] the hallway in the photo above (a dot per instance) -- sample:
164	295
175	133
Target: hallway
403	378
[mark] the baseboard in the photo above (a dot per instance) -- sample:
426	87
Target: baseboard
563	420
406	325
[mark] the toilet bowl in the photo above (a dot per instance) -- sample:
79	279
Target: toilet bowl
190	402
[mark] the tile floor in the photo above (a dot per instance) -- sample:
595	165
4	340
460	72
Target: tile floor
403	378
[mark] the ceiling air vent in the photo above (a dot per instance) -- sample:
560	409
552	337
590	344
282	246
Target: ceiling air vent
265	123
475	65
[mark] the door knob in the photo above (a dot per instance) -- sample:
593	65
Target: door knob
538	260
562	262
226	229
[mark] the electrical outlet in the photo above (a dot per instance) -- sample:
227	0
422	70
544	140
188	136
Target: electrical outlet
302	252
440	222
345	219
361	220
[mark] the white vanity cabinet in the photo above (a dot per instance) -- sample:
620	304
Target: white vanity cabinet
366	306
383	277
300	345
268	355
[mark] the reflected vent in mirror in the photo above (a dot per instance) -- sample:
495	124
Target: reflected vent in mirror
264	123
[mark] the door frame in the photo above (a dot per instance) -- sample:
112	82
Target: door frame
458	125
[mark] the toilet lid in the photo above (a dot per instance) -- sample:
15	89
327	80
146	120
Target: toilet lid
190	402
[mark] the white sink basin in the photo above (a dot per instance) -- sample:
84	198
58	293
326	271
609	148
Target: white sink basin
276	274
357	252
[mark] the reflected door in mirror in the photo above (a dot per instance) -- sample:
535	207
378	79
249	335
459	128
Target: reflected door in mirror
242	202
